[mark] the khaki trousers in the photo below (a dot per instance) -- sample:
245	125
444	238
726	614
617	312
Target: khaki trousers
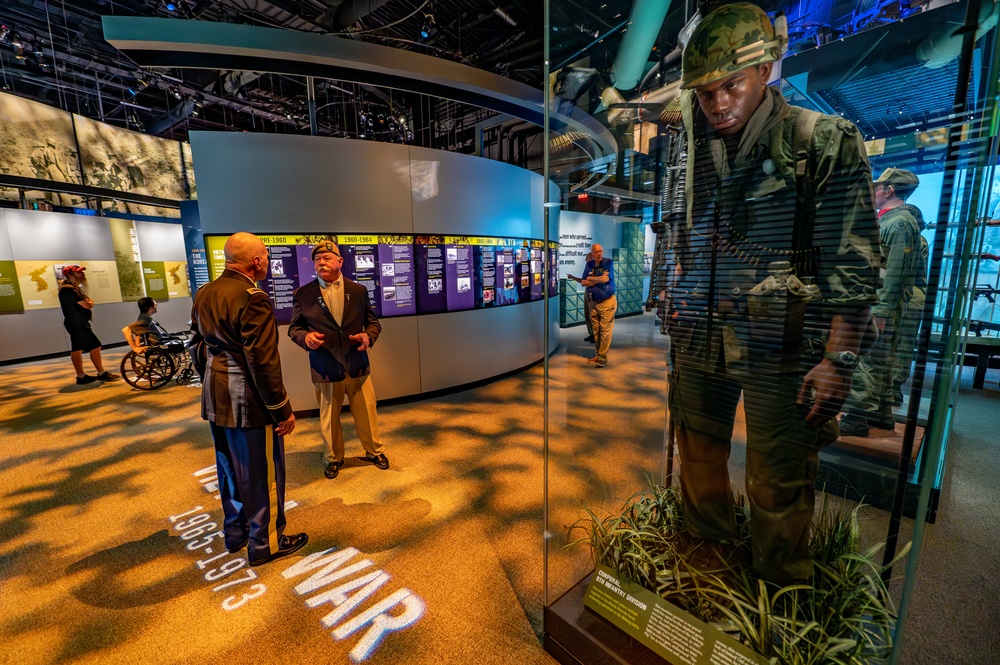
361	398
602	316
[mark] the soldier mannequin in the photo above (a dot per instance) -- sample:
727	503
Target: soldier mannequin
870	403
775	275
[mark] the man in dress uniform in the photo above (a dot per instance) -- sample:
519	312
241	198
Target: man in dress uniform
777	266
333	319
243	398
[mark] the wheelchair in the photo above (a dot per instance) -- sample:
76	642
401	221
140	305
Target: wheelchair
149	367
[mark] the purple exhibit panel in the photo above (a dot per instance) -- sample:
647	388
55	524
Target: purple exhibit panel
553	269
428	266
537	270
486	275
360	253
307	270
282	280
506	276
458	264
522	274
396	276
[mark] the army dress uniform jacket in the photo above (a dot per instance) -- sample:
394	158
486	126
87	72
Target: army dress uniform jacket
339	356
236	337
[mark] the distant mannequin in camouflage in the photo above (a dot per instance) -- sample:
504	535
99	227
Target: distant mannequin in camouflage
870	404
911	319
776	270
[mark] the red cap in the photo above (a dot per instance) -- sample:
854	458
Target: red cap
68	270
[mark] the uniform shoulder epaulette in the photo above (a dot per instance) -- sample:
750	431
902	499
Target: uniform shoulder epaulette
253	290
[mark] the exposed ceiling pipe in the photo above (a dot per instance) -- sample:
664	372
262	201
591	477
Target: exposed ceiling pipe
645	21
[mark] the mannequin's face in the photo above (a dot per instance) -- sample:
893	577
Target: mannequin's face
729	103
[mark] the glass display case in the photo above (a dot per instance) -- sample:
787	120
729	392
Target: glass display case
783	254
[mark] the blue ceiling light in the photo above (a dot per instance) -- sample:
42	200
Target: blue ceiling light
171	6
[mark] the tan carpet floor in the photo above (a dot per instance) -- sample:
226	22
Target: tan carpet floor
93	569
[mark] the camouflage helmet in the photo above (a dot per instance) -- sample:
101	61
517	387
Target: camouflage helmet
729	39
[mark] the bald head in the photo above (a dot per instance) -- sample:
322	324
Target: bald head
241	250
596	252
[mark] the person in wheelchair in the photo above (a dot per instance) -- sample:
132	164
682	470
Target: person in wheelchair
149	333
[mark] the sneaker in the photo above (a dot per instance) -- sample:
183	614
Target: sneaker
592	361
602	362
86	378
107	376
853	425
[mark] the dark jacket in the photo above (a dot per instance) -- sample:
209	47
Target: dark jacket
339	357
237	336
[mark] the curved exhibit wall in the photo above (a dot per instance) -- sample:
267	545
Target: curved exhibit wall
116	252
268	183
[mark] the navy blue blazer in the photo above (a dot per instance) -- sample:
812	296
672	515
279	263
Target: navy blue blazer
339	357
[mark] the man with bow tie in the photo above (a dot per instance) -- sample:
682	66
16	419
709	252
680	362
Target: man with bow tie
333	319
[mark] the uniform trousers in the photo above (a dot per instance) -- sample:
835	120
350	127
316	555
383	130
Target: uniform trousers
602	316
361	398
250	462
871	385
782	459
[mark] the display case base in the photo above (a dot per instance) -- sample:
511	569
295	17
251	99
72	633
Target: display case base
574	634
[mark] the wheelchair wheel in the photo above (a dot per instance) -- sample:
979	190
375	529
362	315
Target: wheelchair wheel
185	376
147	371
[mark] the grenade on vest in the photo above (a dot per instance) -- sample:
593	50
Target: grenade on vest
778	307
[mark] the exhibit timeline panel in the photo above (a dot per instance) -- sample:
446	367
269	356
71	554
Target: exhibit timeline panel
37	245
406	274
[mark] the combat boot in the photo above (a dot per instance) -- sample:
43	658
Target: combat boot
882	421
853	424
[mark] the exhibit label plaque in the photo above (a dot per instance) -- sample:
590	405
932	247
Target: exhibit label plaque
10	289
676	635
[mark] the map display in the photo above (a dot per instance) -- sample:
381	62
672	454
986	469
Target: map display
39	286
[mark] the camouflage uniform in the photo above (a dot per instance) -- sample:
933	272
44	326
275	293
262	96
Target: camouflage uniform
747	211
871	389
911	319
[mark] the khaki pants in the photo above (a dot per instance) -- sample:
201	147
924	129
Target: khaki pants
361	398
602	317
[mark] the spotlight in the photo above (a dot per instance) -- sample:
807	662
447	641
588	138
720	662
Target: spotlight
428	27
171	7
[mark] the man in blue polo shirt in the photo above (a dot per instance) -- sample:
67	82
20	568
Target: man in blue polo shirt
599	278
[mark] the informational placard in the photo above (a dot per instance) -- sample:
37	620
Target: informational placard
39	282
458	272
282	280
154	276
360	254
485	258
522	274
428	259
10	290
537	269
676	635
177	279
126	245
553	269
507	279
396	276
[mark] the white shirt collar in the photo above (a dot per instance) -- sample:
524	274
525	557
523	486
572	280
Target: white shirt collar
337	283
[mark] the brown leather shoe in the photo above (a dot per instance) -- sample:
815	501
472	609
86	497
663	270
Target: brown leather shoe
332	469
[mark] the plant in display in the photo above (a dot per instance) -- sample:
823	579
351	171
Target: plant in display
844	615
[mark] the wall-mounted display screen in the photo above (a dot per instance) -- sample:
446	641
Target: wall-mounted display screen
405	274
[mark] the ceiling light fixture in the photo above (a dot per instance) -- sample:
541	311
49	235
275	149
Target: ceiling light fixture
505	16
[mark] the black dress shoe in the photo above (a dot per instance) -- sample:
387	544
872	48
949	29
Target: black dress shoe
236	548
332	469
287	545
588	339
380	460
